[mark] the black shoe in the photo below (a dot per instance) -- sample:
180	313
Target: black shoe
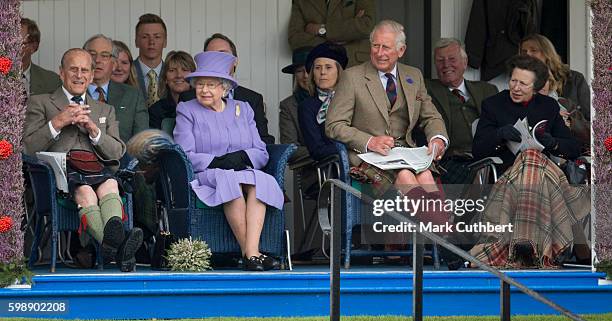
113	237
253	264
85	258
125	256
455	265
269	263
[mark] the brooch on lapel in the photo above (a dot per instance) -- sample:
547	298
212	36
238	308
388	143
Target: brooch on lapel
102	120
409	80
237	109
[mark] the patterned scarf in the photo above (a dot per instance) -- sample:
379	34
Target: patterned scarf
325	97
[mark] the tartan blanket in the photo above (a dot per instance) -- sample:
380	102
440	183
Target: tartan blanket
536	197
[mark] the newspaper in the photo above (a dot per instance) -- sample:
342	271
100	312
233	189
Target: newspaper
416	159
528	140
58	164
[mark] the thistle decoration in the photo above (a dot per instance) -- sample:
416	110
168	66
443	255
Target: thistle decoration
189	255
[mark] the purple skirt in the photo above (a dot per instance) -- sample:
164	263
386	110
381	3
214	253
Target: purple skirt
218	186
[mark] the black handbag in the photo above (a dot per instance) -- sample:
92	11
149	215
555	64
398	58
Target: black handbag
576	173
163	241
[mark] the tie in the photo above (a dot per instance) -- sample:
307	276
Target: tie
152	88
77	99
457	93
101	97
391	90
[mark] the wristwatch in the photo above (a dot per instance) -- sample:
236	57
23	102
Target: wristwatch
322	30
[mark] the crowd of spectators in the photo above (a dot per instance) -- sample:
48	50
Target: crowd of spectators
349	87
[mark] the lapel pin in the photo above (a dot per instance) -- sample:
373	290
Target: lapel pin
409	80
237	109
102	120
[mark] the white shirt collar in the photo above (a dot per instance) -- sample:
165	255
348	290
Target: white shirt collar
393	72
145	68
27	72
463	89
69	95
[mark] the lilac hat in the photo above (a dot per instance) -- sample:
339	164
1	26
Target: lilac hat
214	64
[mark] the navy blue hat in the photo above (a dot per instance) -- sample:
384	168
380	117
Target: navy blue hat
327	50
298	59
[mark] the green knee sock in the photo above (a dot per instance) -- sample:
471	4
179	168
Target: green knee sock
91	221
110	206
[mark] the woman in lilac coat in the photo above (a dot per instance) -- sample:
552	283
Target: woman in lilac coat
220	139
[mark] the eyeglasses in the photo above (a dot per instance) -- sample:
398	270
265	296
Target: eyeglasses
105	55
210	85
514	82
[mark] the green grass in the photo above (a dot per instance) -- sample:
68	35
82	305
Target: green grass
589	317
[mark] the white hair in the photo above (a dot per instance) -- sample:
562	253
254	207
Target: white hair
445	42
396	27
114	50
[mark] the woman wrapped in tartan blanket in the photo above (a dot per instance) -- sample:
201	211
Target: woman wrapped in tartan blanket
533	194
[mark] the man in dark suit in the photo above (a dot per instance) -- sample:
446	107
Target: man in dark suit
458	101
151	39
219	42
37	80
70	119
129	104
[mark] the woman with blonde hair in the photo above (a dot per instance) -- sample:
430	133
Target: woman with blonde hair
567	83
171	84
124	71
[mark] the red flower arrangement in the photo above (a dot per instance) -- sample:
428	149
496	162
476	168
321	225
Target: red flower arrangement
6	149
608	143
5	223
5	65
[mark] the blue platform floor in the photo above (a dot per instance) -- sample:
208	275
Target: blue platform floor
367	290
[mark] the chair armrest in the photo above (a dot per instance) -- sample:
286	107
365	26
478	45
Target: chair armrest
126	175
488	161
344	162
31	160
328	161
279	155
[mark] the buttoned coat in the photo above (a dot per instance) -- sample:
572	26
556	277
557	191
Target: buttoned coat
340	21
130	109
37	135
478	91
360	109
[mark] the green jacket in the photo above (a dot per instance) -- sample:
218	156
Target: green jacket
478	91
43	81
130	109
